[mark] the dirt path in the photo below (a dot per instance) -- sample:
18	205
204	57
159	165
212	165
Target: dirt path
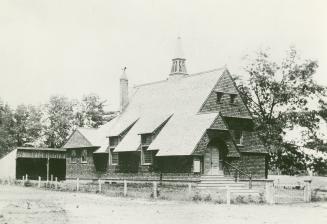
28	205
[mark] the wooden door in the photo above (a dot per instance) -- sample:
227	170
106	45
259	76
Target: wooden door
212	161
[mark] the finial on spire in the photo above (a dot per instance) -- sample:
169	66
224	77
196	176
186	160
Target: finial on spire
179	49
178	67
124	76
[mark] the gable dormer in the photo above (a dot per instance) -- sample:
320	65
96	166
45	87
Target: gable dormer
225	98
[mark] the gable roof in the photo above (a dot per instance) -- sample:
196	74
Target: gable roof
179	98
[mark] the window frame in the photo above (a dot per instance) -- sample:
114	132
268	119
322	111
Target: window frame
232	98
84	153
144	151
219	97
73	156
239	141
111	157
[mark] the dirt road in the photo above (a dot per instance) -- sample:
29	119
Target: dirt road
28	205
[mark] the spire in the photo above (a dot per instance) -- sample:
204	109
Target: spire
178	66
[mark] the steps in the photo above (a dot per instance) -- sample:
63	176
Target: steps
220	182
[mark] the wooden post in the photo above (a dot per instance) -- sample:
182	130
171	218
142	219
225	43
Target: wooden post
48	168
26	177
307	191
125	188
189	188
39	183
56	183
99	185
23	180
51	180
269	192
155	195
227	195
77	184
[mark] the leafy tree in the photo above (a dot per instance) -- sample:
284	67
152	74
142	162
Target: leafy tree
90	111
6	123
281	96
59	121
27	126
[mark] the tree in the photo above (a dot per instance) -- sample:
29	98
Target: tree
59	122
280	96
6	122
27	126
90	111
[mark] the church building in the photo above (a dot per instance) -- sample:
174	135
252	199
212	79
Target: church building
187	125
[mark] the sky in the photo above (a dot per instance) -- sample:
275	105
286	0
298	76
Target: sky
76	47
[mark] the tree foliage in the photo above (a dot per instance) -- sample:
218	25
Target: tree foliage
282	96
49	125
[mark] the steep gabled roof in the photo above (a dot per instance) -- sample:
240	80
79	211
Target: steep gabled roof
179	98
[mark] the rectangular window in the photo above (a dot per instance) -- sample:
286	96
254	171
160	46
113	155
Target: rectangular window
219	96
238	135
146	139
84	156
73	156
232	98
146	156
114	158
113	141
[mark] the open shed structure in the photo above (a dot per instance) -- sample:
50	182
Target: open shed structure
34	162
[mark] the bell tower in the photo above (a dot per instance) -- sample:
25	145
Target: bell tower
178	63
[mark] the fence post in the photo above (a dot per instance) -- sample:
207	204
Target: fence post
77	184
99	185
125	188
23	180
51	180
189	188
307	191
39	183
26	177
56	183
269	192
155	195
227	195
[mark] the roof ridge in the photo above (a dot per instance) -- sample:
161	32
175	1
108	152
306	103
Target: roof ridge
186	76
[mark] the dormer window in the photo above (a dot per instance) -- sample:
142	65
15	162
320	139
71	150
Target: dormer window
219	96
232	98
146	139
238	136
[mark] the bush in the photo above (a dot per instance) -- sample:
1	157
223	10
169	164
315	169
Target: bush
240	200
28	183
207	198
197	197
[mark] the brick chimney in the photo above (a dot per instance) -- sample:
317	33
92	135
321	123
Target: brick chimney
123	90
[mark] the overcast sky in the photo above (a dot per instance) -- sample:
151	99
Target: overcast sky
75	47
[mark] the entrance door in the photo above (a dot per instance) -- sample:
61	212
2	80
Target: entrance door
212	160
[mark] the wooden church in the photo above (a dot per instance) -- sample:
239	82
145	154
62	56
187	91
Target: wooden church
186	125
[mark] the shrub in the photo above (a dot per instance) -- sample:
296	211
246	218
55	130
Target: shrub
197	197
28	183
240	200
207	198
